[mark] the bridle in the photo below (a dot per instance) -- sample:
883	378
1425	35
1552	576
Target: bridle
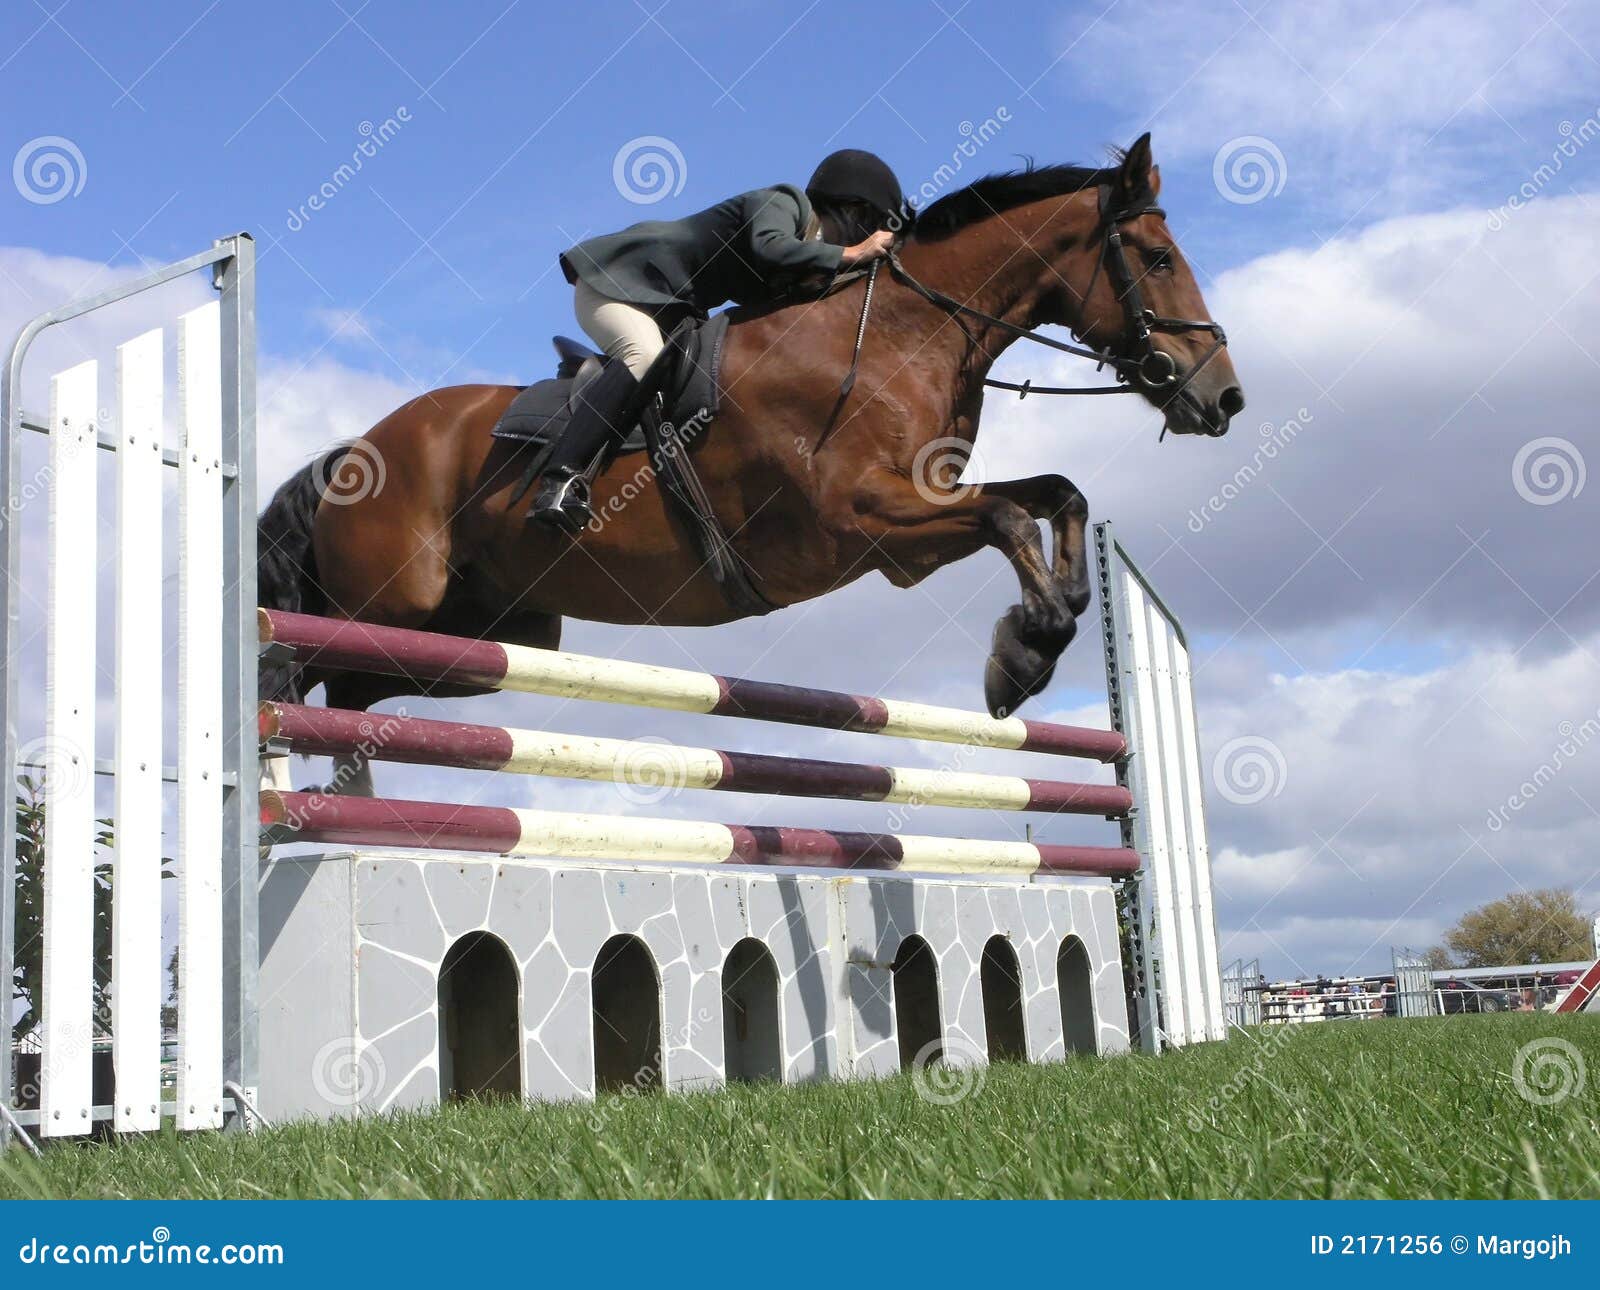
1140	366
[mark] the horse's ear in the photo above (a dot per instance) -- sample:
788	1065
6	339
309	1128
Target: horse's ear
1135	178
1155	181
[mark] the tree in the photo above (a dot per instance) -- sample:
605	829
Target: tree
28	986
1438	958
1524	927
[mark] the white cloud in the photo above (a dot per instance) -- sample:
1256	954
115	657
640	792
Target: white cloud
304	410
1357	92
1408	798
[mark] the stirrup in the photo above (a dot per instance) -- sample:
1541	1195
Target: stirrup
563	502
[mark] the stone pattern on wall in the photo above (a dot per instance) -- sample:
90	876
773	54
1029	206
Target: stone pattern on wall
353	944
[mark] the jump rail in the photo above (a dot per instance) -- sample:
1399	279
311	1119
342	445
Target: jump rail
427	656
507	831
1171	928
425	742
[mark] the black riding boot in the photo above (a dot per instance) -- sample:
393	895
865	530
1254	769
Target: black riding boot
603	412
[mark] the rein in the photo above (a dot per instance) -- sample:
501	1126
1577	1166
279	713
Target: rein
956	309
1144	363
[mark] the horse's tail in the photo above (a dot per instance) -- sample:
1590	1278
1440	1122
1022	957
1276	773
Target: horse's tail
286	565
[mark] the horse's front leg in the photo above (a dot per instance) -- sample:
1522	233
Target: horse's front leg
1056	500
915	530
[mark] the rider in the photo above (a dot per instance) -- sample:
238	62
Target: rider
633	286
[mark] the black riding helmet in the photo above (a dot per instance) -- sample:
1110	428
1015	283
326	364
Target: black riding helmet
851	175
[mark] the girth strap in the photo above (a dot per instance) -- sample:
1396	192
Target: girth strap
681	482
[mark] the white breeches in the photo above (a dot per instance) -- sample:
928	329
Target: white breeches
626	332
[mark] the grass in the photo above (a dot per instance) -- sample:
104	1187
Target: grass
1377	1109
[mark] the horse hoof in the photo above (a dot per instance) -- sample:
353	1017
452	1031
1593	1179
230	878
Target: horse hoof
1022	659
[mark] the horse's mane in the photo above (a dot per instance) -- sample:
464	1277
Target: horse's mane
996	193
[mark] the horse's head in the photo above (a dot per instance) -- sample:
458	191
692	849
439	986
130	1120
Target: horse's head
1142	304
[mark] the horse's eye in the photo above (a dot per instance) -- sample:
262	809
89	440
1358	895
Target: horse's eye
1159	258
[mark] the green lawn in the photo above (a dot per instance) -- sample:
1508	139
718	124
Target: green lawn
1415	1108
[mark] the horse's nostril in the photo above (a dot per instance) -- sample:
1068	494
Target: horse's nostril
1231	401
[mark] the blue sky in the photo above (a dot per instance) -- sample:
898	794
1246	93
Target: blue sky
199	117
1393	212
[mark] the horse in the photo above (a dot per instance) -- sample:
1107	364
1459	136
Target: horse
422	522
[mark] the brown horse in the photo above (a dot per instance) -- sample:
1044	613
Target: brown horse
416	524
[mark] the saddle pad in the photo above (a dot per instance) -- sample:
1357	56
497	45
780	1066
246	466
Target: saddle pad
692	389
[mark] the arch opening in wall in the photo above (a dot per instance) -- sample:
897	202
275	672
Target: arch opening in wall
480	1032
916	1004
750	1017
1075	983
625	995
1001	978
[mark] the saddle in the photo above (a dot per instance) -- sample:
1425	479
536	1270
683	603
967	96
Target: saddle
687	395
686	378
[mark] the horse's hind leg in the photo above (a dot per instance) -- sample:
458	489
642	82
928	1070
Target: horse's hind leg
384	558
352	771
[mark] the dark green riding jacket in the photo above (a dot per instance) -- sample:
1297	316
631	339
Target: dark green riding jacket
749	249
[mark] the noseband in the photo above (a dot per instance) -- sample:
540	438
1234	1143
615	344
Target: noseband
1139	365
1140	359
